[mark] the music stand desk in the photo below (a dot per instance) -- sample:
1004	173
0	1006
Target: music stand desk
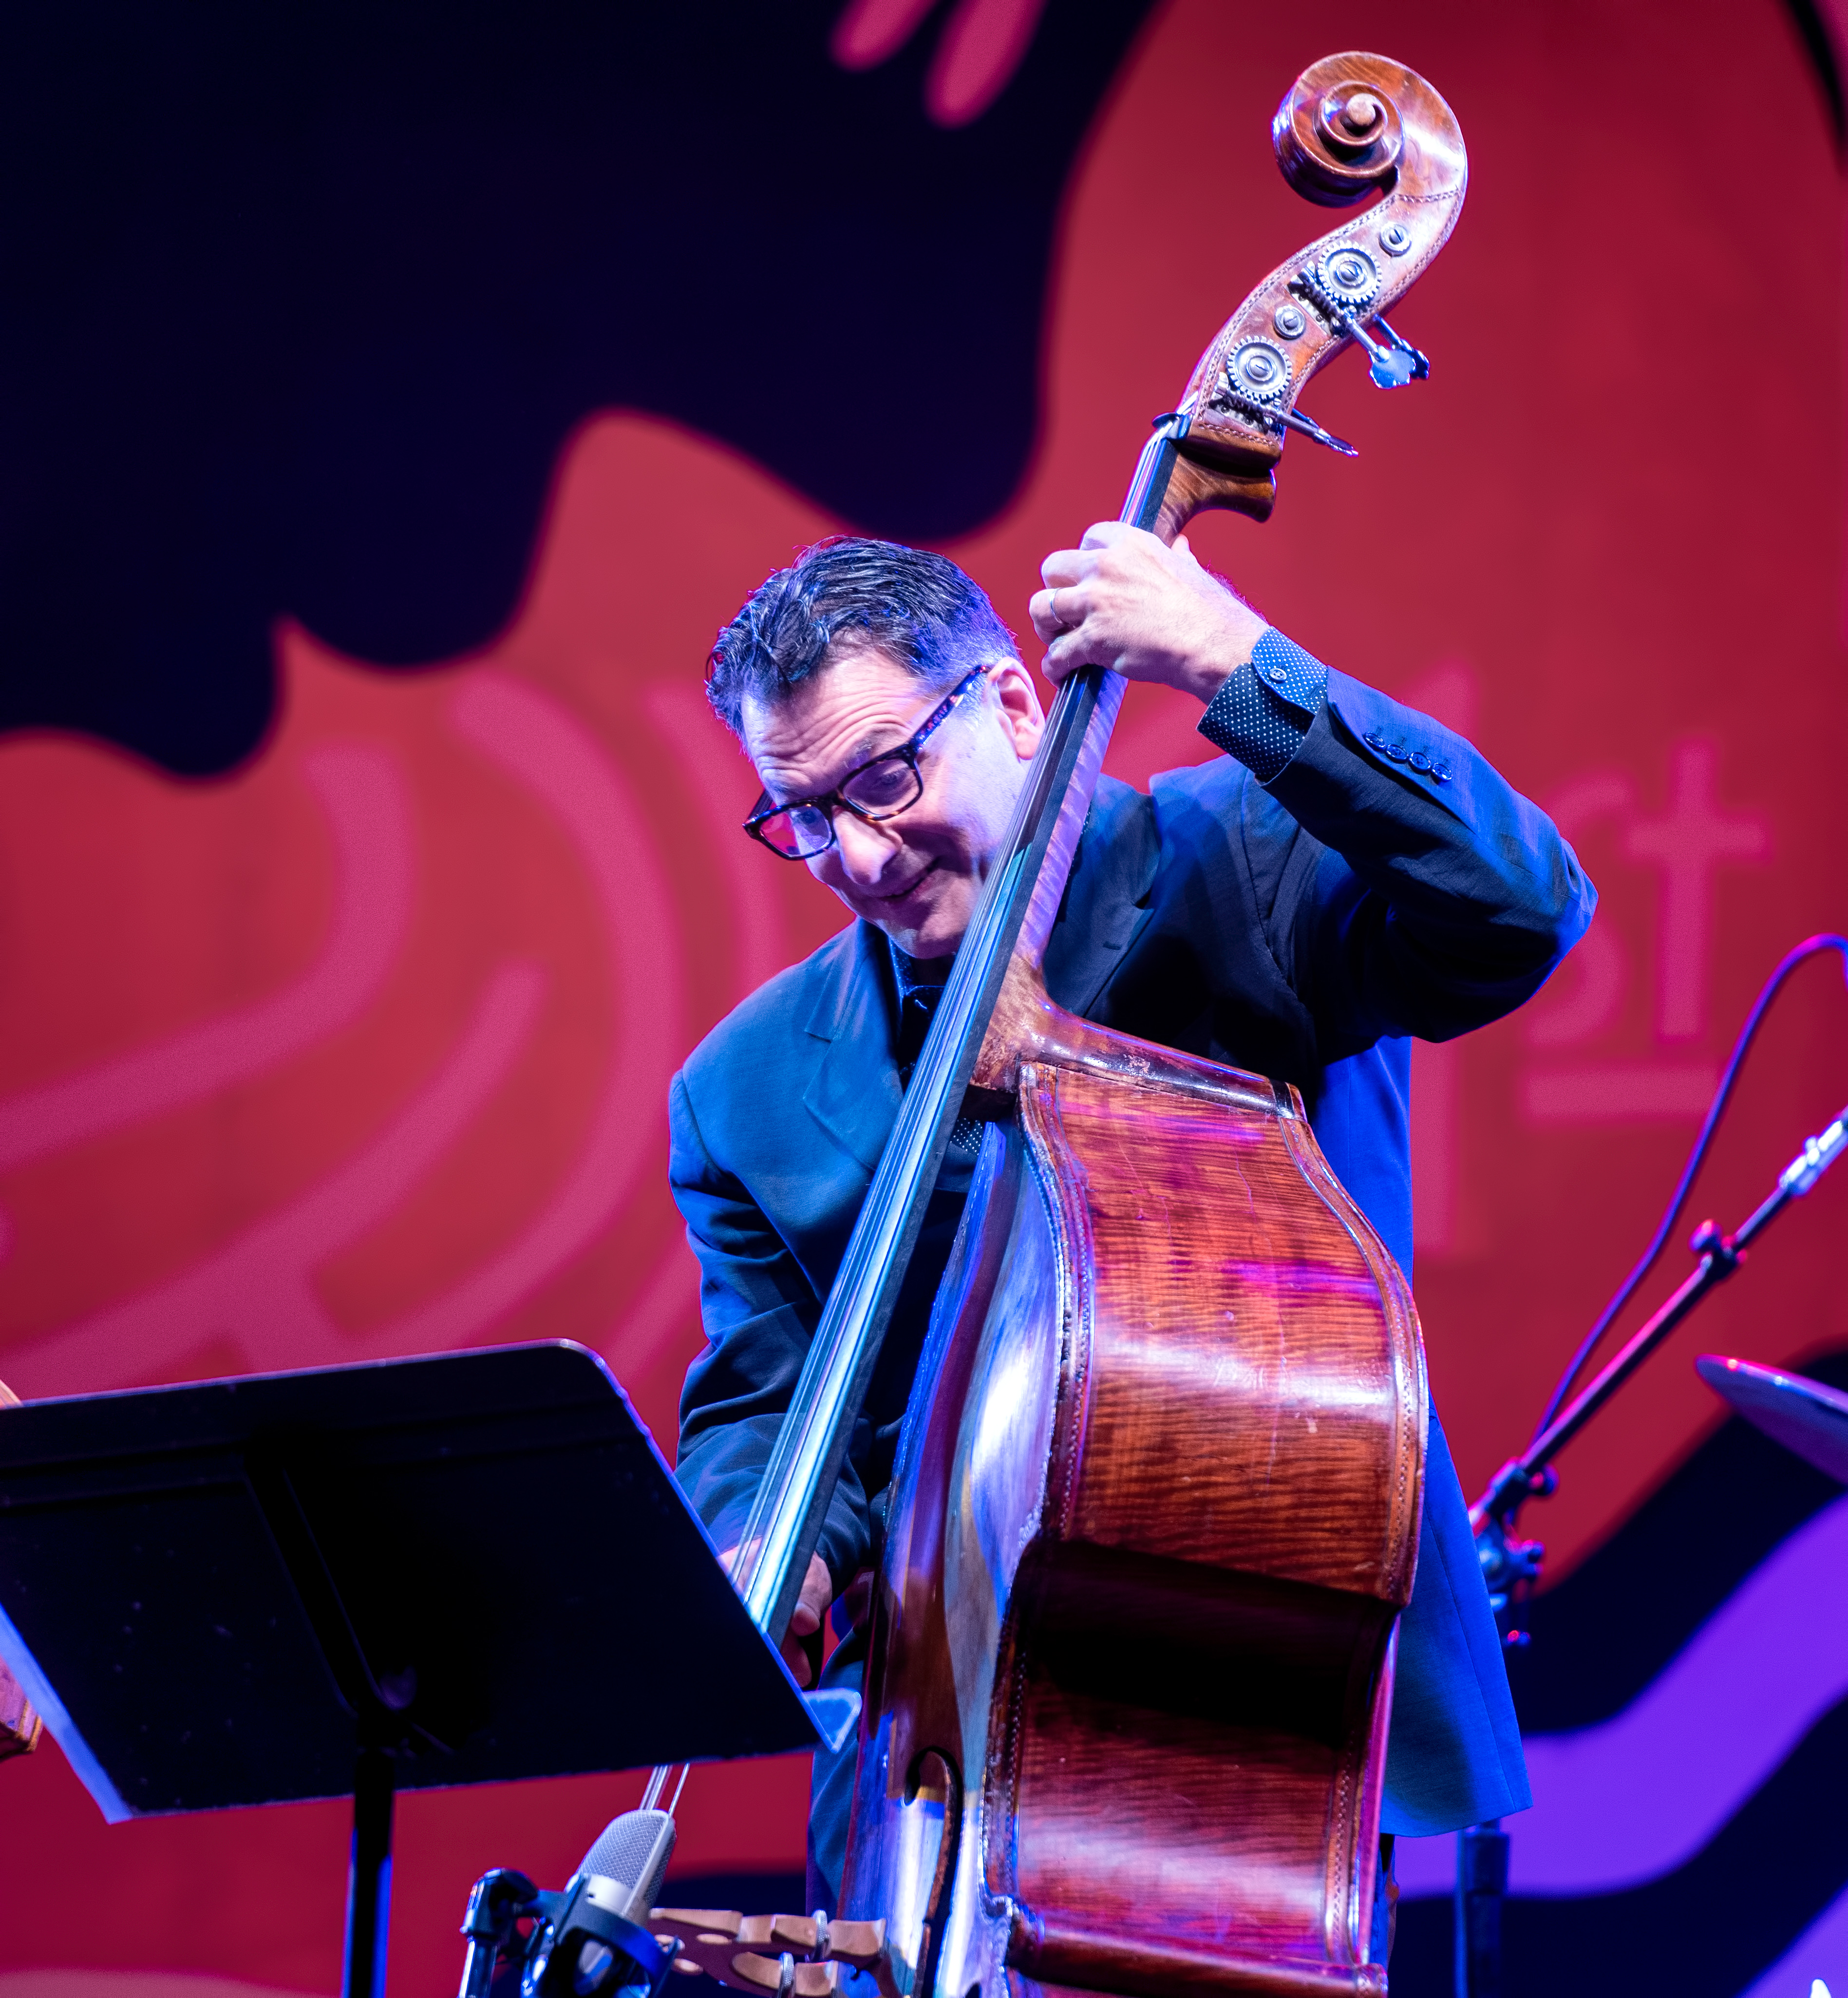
468	1568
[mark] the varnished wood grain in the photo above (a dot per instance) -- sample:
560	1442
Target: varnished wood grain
1249	1404
1199	486
1156	1509
1417	164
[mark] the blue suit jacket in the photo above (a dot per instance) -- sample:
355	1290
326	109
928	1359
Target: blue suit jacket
1303	930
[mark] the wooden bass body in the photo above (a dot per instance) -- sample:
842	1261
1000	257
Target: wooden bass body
1154	1513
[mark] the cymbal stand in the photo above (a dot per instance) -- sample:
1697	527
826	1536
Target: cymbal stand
1511	1567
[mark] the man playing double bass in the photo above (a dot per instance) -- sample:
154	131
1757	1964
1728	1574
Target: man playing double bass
1345	875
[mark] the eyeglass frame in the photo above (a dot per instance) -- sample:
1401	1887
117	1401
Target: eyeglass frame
833	801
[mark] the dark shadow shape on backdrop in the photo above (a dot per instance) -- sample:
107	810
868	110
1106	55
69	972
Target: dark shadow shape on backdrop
1724	1919
1611	1627
1824	59
301	305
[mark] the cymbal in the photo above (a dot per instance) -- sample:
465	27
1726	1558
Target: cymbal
1801	1414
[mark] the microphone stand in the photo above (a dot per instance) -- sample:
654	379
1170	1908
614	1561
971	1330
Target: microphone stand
1511	1567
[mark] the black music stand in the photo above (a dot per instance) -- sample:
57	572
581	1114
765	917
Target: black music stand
355	1580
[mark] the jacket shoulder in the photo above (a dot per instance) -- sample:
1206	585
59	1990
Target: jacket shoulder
1118	842
759	1026
1220	788
1206	805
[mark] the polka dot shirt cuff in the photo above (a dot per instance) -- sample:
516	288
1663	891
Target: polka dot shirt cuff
1263	712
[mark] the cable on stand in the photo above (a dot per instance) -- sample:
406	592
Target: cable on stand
1510	1566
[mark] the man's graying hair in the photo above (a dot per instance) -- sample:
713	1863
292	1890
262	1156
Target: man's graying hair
844	593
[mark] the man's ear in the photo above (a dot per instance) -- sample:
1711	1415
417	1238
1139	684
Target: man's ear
1022	716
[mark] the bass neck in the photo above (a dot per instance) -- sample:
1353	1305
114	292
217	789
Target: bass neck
1013	918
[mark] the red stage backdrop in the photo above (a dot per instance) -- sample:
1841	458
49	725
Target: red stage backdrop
363	1050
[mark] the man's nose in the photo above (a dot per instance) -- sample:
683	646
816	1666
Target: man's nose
866	847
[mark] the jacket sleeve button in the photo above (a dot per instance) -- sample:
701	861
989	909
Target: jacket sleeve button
1418	760
1397	752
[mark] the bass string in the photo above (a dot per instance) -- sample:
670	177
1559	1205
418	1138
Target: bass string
1044	833
657	1782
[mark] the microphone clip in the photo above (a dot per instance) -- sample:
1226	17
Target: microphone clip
543	1945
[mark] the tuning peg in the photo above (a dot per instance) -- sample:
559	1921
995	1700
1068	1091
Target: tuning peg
1391	369
1310	428
1392	366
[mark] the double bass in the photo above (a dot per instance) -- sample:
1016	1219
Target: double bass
1156	1504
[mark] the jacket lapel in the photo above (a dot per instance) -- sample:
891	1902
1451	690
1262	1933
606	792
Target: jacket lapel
1108	901
854	1095
1077	979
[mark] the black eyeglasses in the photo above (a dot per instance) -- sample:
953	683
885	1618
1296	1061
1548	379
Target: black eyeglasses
883	788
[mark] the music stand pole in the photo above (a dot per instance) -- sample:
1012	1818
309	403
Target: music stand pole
368	1877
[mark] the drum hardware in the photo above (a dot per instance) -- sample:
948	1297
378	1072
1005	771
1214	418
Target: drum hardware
1806	1416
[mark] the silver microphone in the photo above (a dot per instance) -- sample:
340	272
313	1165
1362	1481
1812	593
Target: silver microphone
623	1870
